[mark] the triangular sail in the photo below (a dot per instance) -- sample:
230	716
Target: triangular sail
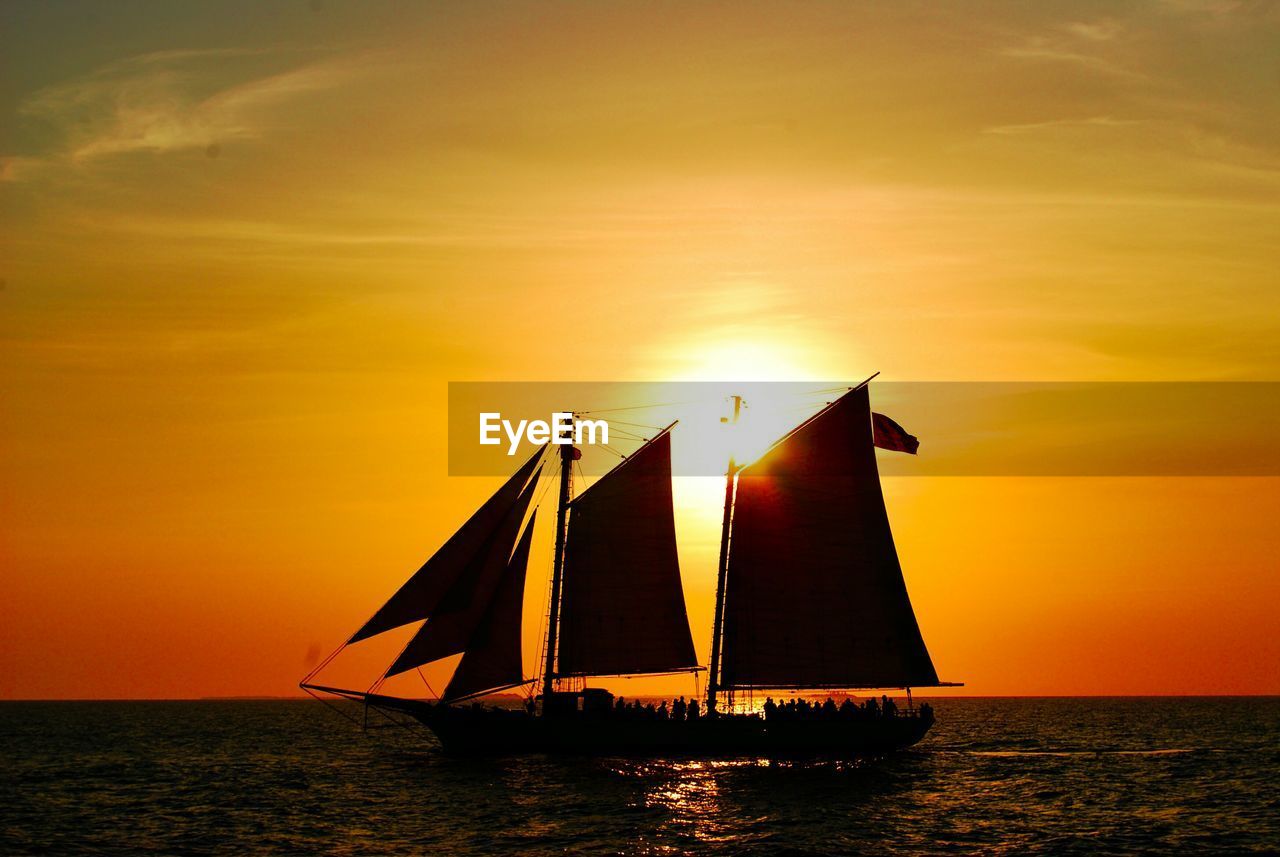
622	609
462	607
493	657
814	593
421	593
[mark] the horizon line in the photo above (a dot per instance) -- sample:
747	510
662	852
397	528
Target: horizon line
306	698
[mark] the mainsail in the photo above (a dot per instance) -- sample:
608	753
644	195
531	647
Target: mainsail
462	608
493	658
814	593
421	593
622	609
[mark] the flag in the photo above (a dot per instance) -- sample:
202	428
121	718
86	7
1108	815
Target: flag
887	434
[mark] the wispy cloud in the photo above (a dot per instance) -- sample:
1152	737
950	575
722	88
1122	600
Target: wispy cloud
1094	31
1044	50
1053	124
1083	44
167	101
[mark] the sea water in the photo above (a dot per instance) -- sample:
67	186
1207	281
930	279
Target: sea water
1024	776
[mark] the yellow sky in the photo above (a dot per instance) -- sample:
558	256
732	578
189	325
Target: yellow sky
244	249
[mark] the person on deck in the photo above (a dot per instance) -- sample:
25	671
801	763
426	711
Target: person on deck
678	709
662	711
770	709
693	709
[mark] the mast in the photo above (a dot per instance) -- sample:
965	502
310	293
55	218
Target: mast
713	679
557	569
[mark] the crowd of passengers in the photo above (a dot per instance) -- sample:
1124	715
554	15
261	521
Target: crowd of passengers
802	709
778	712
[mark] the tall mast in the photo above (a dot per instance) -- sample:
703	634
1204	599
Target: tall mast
713	680
557	568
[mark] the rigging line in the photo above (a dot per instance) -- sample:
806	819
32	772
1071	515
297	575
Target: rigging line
634	425
807	406
825	390
422	676
545	489
629	438
331	705
378	709
629	676
544	618
626	435
323	663
621	455
546	607
498	689
641	407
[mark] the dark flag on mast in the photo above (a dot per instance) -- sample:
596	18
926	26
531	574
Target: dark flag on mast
889	435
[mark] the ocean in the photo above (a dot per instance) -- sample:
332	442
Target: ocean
1024	776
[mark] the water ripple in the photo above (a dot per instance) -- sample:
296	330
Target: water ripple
1061	776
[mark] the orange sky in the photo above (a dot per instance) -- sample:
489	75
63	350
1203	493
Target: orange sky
245	248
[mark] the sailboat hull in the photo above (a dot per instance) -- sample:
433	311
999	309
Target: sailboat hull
467	731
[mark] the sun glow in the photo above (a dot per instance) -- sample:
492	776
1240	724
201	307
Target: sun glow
752	363
750	356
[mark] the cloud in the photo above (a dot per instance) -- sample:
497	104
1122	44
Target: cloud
1076	43
1053	124
1097	31
1043	50
167	101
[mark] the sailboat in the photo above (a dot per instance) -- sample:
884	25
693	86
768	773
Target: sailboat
810	596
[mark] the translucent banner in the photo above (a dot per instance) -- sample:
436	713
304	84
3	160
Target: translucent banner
961	428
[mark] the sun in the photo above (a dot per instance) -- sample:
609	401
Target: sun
775	374
751	357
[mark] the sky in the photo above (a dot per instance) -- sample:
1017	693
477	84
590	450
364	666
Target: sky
246	246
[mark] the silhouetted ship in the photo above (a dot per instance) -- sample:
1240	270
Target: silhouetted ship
810	596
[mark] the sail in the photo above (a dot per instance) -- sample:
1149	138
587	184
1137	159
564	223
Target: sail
493	657
622	609
461	609
421	593
814	594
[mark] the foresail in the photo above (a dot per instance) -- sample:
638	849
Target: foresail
622	610
493	657
814	593
461	609
421	593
